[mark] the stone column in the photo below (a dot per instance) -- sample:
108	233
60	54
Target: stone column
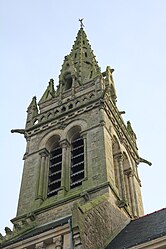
42	173
126	177
132	192
117	175
73	85
58	242
60	89
121	173
65	164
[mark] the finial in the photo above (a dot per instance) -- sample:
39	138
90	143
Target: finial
81	22
8	231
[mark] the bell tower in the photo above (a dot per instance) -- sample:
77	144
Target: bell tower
81	158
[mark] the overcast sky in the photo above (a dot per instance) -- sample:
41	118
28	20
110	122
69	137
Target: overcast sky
129	35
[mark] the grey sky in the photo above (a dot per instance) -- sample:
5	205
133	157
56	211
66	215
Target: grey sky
129	35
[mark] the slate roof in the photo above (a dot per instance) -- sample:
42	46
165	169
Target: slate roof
141	230
36	231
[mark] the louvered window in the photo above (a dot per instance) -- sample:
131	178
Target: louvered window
55	168
77	162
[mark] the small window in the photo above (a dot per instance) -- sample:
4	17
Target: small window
55	168
63	109
77	162
70	106
68	81
86	54
36	121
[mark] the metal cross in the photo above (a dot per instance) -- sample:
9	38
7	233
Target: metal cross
81	22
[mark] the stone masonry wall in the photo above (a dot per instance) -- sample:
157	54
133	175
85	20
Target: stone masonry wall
99	221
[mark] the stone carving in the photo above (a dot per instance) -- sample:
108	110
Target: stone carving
58	242
21	131
8	231
40	245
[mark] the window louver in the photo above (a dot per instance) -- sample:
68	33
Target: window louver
77	162
55	168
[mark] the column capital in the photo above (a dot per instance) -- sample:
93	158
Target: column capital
118	156
44	152
129	172
64	143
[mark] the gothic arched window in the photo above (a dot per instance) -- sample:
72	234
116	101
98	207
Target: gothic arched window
55	168
77	161
68	81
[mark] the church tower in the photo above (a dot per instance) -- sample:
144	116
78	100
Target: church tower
80	184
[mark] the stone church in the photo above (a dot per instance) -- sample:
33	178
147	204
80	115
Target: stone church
80	185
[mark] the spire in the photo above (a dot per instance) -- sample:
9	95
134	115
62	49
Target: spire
32	111
32	108
49	93
81	63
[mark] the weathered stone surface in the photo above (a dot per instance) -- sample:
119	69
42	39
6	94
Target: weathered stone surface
109	194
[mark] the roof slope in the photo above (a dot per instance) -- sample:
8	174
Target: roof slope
37	230
141	230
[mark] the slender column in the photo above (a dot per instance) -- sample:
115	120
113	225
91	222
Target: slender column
58	242
121	173
117	175
73	84
60	92
42	173
64	144
132	193
46	173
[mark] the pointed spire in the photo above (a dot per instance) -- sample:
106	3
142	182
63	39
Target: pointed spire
49	93
32	108
81	62
32	111
130	130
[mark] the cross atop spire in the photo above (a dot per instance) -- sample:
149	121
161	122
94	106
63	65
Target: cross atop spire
81	23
